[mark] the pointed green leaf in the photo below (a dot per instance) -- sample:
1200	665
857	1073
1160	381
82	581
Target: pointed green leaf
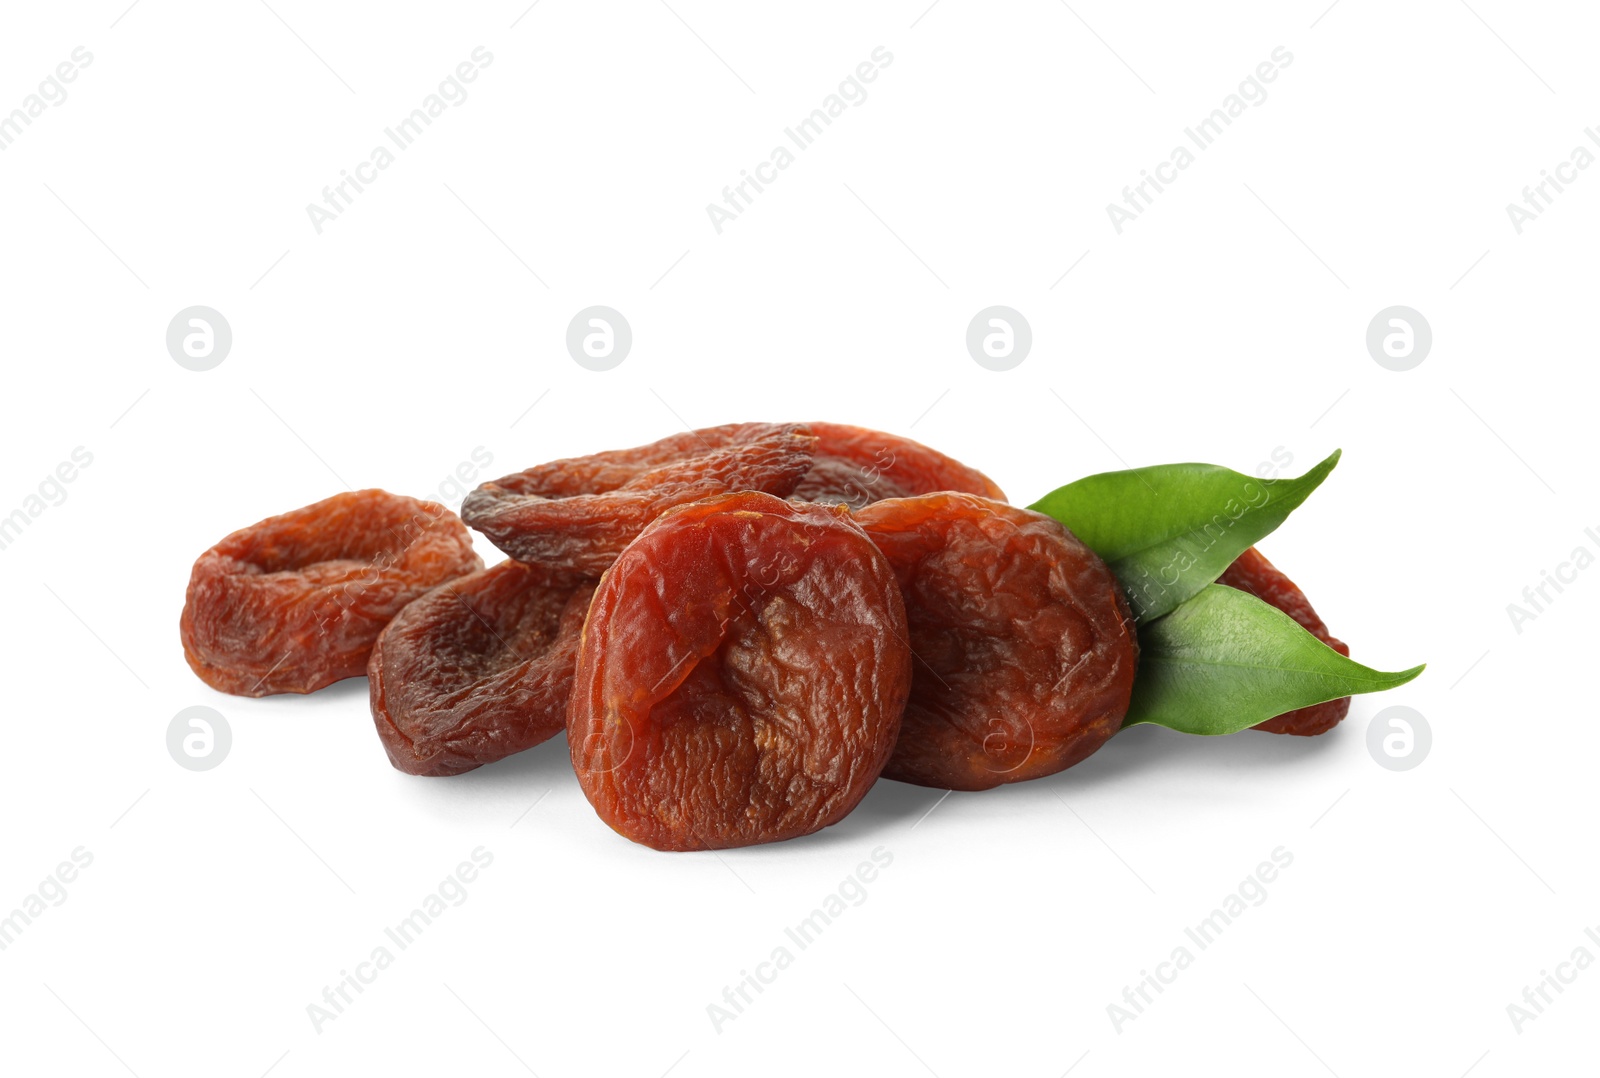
1225	660
1169	530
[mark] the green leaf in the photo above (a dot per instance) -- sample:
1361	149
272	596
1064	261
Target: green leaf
1225	660
1168	531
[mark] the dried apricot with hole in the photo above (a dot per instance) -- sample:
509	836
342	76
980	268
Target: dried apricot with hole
1252	572
479	668
295	602
741	676
579	513
1024	646
858	466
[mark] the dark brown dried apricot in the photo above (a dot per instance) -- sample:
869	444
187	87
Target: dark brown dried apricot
858	466
295	602
1252	572
741	676
479	668
579	513
1024	644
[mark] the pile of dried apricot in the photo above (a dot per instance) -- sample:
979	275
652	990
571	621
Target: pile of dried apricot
742	628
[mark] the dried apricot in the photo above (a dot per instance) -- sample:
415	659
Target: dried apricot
579	513
858	466
741	676
295	602
1024	644
1252	572
478	669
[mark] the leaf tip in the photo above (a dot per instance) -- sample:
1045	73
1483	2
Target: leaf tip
1403	676
1326	465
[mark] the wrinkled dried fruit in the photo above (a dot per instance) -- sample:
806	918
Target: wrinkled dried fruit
1252	572
479	668
1024	644
579	513
858	466
295	602
741	676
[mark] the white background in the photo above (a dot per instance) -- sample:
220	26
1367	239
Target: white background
428	320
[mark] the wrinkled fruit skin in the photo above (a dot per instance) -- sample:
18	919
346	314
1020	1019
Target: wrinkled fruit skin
478	669
742	674
1252	572
295	602
578	514
858	466
1025	649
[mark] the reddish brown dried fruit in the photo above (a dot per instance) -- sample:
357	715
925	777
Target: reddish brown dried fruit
1026	649
741	676
478	669
295	602
1252	572
579	513
858	466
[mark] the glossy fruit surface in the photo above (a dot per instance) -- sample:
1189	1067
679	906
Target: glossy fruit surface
579	513
295	602
1024	646
858	466
741	677
478	669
